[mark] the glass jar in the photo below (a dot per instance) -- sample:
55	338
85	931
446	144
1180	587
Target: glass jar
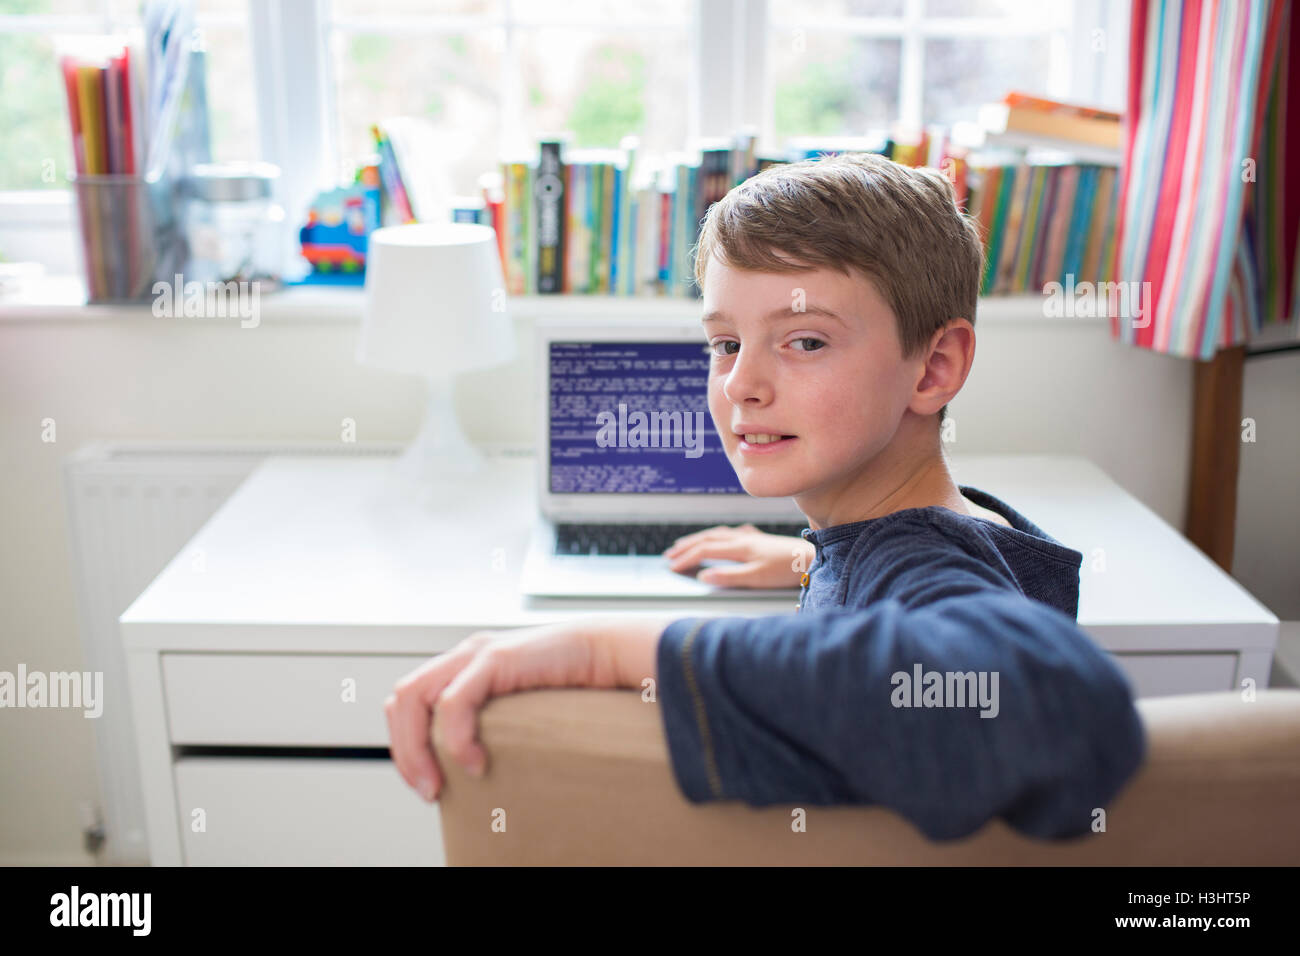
232	224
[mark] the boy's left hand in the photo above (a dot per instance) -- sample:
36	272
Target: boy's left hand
593	652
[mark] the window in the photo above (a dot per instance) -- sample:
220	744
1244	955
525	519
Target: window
298	82
491	75
844	67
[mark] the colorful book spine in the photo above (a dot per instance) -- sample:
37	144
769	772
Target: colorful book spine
691	237
666	240
1062	216
573	195
1097	225
1081	213
530	229
130	124
515	178
394	189
92	127
1030	225
647	248
1005	186
615	226
625	238
1011	238
550	196
1047	221
584	243
494	201
110	85
595	194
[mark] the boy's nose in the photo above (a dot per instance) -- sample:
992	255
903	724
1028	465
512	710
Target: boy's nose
747	383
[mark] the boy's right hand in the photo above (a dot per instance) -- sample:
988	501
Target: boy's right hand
766	560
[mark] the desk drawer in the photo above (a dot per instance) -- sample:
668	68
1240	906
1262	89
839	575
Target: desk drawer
1161	675
263	811
280	700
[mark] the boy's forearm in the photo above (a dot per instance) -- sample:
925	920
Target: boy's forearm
623	650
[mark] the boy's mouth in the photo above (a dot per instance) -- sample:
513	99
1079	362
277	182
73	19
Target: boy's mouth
758	442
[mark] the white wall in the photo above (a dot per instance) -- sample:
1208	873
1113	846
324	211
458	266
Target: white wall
1266	557
1037	385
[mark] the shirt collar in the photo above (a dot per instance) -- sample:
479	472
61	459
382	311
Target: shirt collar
1020	525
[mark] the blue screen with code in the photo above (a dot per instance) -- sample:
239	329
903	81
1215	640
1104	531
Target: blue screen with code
633	418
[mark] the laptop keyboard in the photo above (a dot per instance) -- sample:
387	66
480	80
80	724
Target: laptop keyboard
628	540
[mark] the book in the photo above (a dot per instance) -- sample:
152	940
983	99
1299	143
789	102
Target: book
1092	257
624	282
550	198
998	226
574	257
1072	258
1051	120
517	212
390	173
1016	214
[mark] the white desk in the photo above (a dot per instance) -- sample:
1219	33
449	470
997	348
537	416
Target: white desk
319	576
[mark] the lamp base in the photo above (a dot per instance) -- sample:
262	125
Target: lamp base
440	451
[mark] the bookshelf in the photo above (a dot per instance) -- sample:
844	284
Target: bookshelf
66	298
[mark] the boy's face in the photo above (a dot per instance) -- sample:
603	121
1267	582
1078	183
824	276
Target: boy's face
841	397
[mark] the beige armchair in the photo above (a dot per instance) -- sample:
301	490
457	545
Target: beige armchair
582	776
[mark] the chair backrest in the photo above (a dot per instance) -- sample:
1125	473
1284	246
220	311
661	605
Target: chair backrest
582	776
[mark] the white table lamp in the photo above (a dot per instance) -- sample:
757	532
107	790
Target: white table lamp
436	306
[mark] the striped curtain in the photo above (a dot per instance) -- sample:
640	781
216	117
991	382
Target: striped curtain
1206	214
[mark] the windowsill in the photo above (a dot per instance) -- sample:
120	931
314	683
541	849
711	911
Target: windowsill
63	298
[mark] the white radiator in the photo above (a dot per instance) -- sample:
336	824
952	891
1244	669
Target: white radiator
131	507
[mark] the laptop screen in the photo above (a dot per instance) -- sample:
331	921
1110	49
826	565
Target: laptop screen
633	418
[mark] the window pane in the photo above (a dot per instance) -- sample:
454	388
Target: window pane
817	9
427	8
128	11
600	11
832	85
232	111
451	80
1032	9
961	75
35	149
601	86
54	8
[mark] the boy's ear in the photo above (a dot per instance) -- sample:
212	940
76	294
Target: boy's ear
948	362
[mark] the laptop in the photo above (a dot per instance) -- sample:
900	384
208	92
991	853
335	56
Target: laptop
628	460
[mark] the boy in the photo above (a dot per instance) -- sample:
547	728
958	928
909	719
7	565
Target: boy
935	665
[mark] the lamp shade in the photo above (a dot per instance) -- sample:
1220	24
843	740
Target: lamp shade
435	300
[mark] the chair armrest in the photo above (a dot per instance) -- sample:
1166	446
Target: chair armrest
582	776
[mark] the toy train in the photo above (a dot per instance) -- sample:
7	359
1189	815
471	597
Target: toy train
338	229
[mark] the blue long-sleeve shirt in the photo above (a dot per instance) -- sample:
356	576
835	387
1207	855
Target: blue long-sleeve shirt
834	704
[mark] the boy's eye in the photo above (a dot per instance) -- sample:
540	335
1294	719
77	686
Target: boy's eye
714	347
819	344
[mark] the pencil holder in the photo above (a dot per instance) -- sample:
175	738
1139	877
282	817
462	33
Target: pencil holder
129	235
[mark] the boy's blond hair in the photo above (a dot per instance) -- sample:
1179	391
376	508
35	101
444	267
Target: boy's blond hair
896	225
